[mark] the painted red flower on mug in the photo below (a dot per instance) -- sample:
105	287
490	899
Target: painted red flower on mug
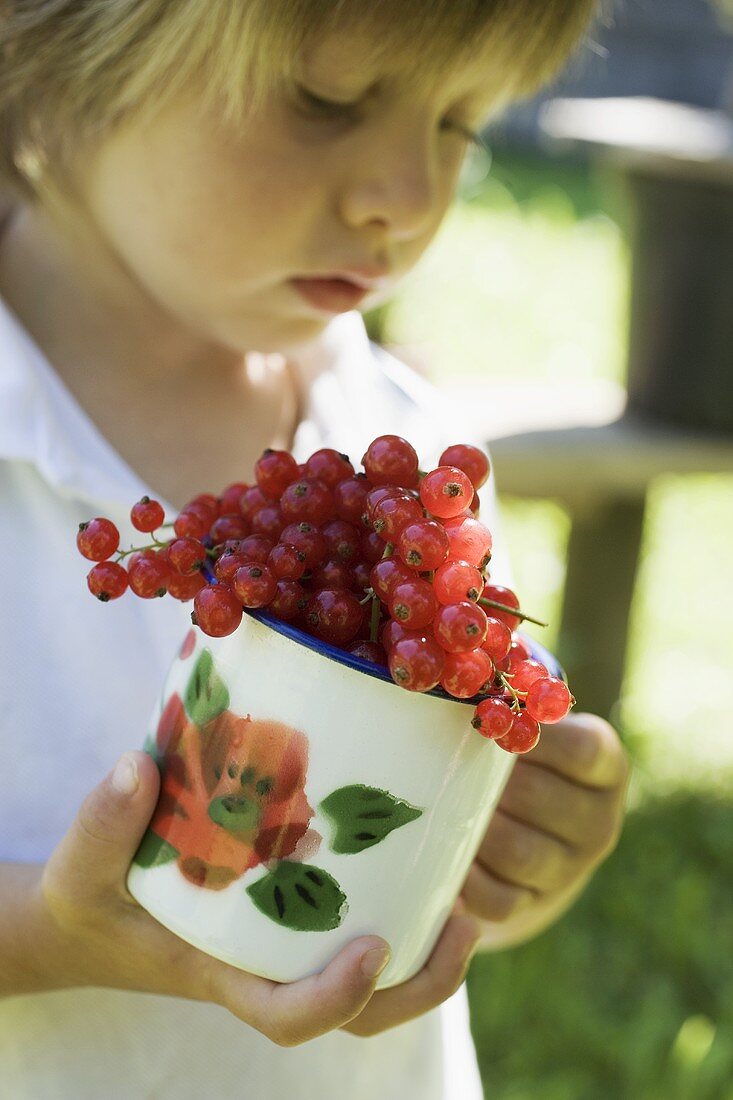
232	792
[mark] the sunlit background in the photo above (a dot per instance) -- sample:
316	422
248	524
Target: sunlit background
520	312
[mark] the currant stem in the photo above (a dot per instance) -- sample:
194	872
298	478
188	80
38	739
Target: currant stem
374	625
368	596
512	610
508	687
388	550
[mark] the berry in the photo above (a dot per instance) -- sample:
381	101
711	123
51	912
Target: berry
548	699
190	523
256	547
469	541
391	460
393	513
413	603
343	539
379	493
466	674
268	520
446	492
229	562
523	735
274	470
416	663
329	466
457	580
470	459
386	575
216	610
498	639
308	540
185	588
333	573
308	500
524	674
186	555
493	718
229	499
371	546
149	574
349	498
107	580
254	584
289	599
286	562
97	539
499	594
232	526
147	515
460	627
334	615
423	545
251	501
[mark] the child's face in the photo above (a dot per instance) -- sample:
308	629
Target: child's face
215	223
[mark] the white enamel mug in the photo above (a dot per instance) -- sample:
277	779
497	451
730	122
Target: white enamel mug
306	800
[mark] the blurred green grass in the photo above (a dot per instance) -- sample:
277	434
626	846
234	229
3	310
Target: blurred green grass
631	994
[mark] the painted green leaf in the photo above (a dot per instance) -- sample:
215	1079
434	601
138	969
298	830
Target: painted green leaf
235	812
363	816
154	851
206	694
300	897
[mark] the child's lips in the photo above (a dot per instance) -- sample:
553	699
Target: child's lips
335	295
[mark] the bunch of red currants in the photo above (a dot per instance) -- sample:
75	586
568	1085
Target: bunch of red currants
389	563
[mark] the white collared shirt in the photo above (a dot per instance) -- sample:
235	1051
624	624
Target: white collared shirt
78	682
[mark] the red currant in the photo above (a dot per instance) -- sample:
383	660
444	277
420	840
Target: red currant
457	580
286	562
393	513
343	539
289	600
469	541
493	718
232	526
350	498
470	459
465	674
251	501
147	515
149	574
185	588
307	539
107	580
460	627
97	539
186	555
274	470
329	466
391	460
216	610
523	735
498	639
268	520
423	544
548	699
446	492
309	500
334	615
499	594
524	674
254	584
368	651
230	498
413	603
416	663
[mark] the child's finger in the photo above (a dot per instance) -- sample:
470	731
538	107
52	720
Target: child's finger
295	1012
584	748
491	898
435	983
526	857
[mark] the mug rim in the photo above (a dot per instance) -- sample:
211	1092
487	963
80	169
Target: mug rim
381	672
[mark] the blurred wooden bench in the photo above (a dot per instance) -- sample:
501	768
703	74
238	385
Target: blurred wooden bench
674	165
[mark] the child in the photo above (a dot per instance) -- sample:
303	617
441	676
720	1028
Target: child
203	193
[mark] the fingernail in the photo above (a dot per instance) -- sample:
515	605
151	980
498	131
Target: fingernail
125	777
373	962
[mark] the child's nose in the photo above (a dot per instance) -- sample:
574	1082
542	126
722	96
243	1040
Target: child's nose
394	186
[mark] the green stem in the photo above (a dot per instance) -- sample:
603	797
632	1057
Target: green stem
512	610
374	626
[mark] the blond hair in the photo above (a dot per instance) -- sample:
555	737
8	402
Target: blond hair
70	70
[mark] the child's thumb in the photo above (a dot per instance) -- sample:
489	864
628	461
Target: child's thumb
110	824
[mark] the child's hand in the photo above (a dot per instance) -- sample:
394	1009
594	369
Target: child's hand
559	817
95	934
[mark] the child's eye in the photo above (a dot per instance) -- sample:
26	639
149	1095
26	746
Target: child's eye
328	108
